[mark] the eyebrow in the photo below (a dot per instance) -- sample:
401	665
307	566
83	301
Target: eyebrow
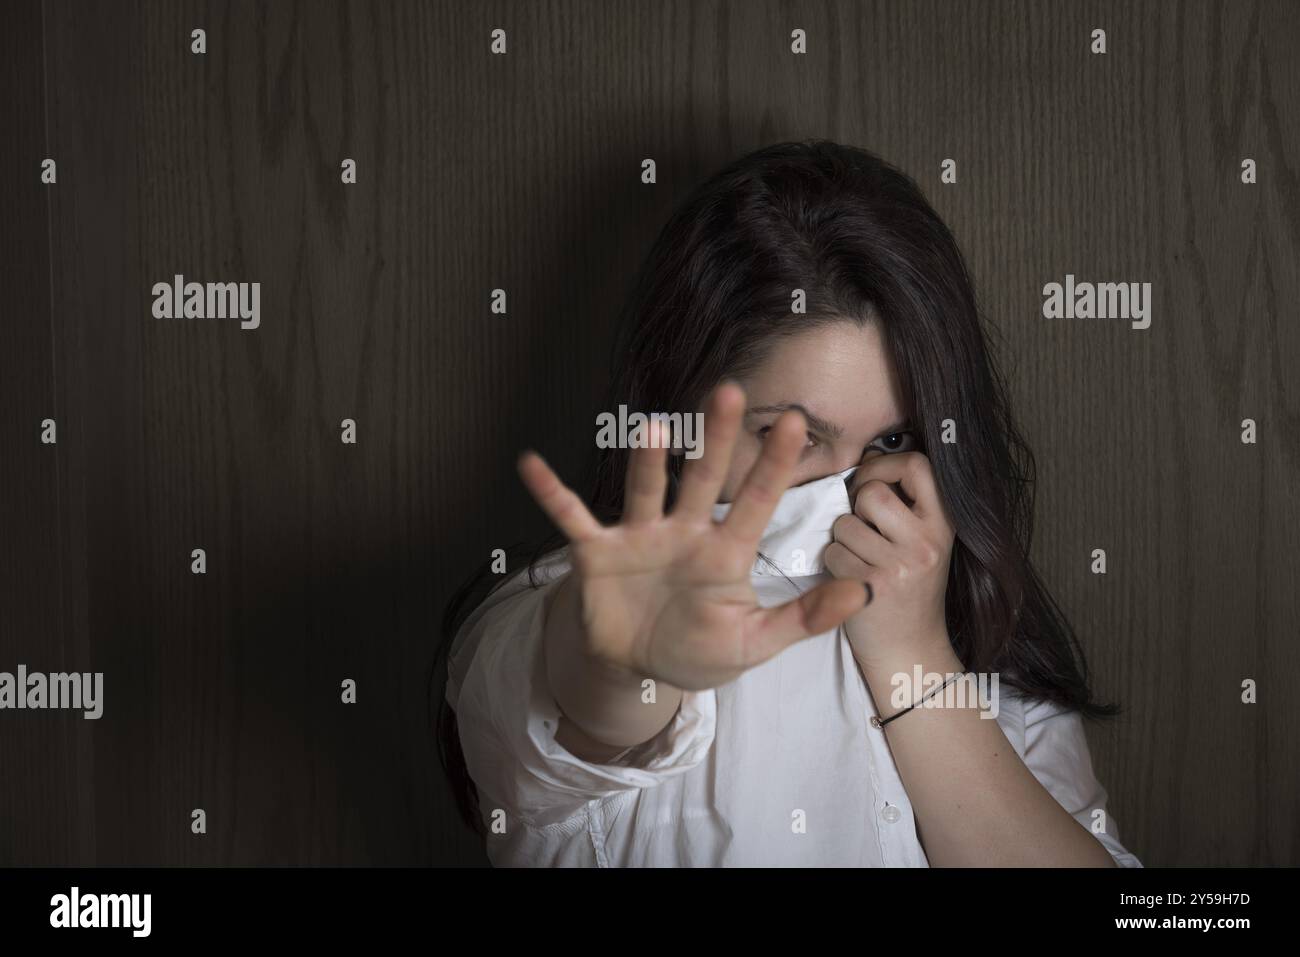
817	423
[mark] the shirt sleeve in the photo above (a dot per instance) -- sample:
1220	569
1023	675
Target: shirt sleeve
508	720
1056	752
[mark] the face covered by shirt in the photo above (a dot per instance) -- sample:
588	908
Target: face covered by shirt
800	526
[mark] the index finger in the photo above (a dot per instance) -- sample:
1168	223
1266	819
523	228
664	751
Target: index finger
703	477
909	469
768	479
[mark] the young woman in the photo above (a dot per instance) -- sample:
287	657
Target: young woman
719	665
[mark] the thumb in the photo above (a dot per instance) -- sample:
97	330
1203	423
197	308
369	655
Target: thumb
821	609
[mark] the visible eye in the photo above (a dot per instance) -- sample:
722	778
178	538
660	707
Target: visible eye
762	434
894	442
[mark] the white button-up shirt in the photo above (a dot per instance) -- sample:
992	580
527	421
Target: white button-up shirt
779	767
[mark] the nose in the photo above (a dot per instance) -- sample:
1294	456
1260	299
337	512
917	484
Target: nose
848	470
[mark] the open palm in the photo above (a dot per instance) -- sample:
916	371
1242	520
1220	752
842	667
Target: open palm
668	596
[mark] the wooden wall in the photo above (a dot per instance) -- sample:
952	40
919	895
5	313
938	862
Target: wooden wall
329	561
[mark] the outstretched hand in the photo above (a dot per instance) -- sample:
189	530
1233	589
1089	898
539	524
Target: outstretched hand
668	596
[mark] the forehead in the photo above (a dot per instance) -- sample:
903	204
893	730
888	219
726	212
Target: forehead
840	371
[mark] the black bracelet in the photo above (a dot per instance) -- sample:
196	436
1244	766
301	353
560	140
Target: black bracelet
877	723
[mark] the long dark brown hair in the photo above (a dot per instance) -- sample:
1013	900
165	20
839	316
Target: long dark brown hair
858	236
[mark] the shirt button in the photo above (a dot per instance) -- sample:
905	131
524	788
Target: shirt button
890	813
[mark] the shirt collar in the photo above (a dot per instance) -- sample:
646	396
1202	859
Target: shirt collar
800	527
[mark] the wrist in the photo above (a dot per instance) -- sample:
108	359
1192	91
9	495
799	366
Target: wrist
931	654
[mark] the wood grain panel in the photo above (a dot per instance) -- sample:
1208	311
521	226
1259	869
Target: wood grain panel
329	561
